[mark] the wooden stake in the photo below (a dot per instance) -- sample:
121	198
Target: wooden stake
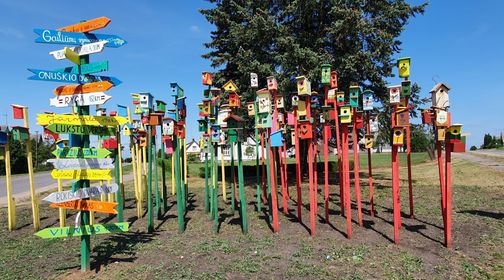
223	174
11	203
29	157
356	170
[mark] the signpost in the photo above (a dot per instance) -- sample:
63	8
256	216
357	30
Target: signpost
58	232
86	26
87	205
95	67
84	88
95	98
50	36
79	164
64	196
75	152
47	119
81	129
81	50
64	77
89	174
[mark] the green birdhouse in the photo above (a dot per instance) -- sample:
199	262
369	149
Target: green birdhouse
326	74
234	127
405	88
177	91
263	120
160	106
354	96
20	133
202	125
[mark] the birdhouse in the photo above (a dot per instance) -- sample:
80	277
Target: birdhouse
201	110
367	100
20	133
345	114
215	91
251	108
294	100
404	67
440	99
160	106
234	100
369	141
395	94
314	101
176	90
303	86
145	119
180	129
4	138
459	146
222	115
305	129
331	94
206	93
293	138
146	102
427	116
263	101
230	86
127	129
206	78
168	126
138	110
168	146
202	125
110	143
397	136
373	124
207	146
403	118
155	119
440	134
359	120
207	108
272	83
340	98
254	80
264	121
334	80
276	139
101	111
215	136
279	102
325	78
403	103
291	119
405	88
234	127
301	110
325	116
454	133
442	118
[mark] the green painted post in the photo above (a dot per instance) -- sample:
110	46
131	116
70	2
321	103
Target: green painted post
216	193
156	179
258	168
207	204
182	183
212	162
268	177
243	199
233	206
180	209
150	214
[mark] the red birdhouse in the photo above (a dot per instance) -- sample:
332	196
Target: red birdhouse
427	117
110	143
234	100
180	129
305	130
334	79
206	78
359	120
18	112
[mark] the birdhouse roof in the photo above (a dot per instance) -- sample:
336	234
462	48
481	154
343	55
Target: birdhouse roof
438	86
263	91
160	102
300	78
4	128
230	86
234	117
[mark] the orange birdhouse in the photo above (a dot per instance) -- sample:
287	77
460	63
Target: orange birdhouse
206	78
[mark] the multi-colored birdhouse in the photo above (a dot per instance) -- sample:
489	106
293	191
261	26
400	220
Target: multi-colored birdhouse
202	125
20	133
4	134
325	77
234	100
397	136
263	101
176	90
314	100
340	98
395	94
331	95
254	80
279	102
277	139
454	133
359	120
215	135
442	118
181	130
207	108
440	98
405	88
367	100
127	129
303	86
345	115
206	78
326	113
427	116
404	67
440	133
264	121
403	103
201	110
403	118
101	111
160	106
305	129
146	102
334	80
230	86
215	91
369	141
168	126
110	143
294	100
206	93
272	83
251	108
301	110
234	128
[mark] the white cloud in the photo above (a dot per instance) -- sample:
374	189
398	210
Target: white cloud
11	32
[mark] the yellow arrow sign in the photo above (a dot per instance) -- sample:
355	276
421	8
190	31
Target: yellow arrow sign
72	56
47	119
87	174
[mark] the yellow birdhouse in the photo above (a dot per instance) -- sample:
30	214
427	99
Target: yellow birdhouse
368	141
126	129
441	133
303	86
398	136
250	108
301	110
404	67
230	86
345	114
138	110
279	101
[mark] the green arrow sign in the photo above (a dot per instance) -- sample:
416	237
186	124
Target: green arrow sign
81	153
82	129
58	232
84	69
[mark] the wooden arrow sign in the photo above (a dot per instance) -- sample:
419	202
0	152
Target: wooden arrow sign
87	205
62	77
47	119
81	163
64	196
95	98
82	129
86	26
72	56
75	152
89	174
82	50
94	67
58	232
49	36
85	88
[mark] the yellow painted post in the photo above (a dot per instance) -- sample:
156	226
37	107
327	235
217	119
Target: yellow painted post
29	157
11	203
144	177
91	217
223	175
134	165
139	176
173	190
62	212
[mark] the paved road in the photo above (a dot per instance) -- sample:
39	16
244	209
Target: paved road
481	157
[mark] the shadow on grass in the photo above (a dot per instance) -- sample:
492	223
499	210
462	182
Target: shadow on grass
494	215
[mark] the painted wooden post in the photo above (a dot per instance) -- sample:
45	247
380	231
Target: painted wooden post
29	158
298	166
448	194
356	169
163	177
150	214
156	179
241	183
410	181
174	189
395	192
346	176
258	168
272	194
370	168
339	151
11	203
62	212
223	174
233	187
207	191
117	170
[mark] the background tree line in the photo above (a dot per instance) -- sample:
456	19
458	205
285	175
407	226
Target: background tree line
41	152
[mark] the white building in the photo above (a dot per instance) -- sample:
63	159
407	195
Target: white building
193	147
248	151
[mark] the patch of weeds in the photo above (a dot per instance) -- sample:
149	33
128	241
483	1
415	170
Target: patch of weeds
246	265
216	245
472	271
407	267
306	250
303	269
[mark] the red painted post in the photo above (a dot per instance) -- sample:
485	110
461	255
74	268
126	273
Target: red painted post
274	201
315	172
441	180
285	170
448	192
370	169
310	179
282	178
263	153
327	133
395	193
410	182
346	175
356	169
298	166
338	149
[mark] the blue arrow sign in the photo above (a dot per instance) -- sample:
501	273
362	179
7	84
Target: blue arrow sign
90	68
50	36
54	76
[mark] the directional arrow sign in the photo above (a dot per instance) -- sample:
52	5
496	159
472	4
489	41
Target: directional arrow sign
94	67
50	36
82	50
82	129
87	26
57	232
85	88
63	77
89	174
64	196
87	205
81	163
47	119
72	56
95	98
81	153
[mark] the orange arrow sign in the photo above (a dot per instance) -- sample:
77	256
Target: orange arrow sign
87	205
85	88
87	26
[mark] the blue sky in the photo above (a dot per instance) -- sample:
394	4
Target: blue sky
458	42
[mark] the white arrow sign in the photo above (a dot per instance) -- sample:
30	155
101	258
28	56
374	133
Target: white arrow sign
81	163
57	197
81	50
94	98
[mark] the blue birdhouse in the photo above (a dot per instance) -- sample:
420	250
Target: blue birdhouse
276	139
176	90
367	100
